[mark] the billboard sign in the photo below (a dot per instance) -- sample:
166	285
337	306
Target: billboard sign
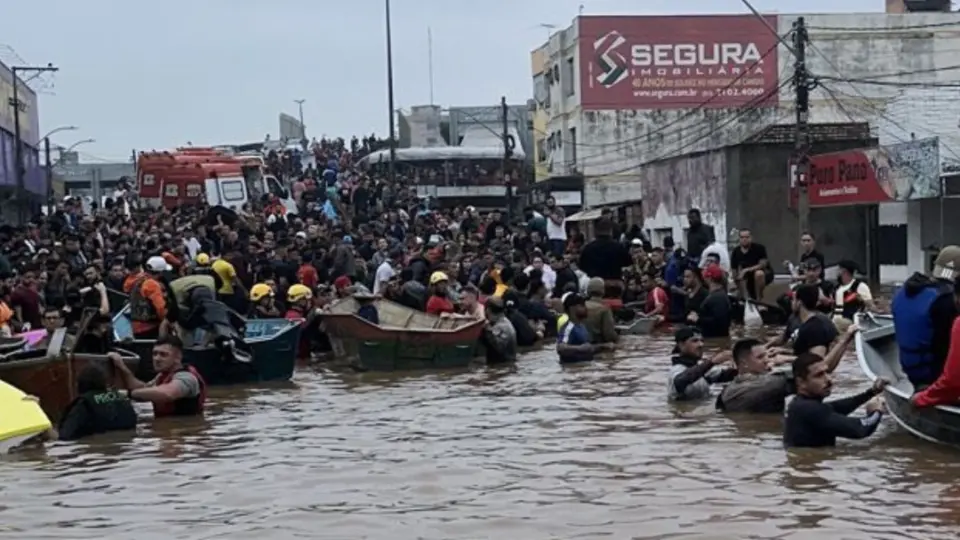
29	120
678	62
899	172
290	128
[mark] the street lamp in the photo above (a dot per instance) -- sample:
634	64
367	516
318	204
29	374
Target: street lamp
74	145
58	130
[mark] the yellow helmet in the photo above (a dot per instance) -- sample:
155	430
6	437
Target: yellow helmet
298	292
437	277
260	291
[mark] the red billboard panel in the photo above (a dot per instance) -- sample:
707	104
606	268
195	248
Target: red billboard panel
898	172
678	62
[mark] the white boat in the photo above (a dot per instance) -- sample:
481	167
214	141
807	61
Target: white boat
878	356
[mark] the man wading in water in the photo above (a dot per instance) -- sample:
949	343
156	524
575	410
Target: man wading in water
757	389
812	422
690	374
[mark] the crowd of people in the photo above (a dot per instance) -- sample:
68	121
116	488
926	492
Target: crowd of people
357	234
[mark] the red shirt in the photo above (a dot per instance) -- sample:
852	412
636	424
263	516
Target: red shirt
946	389
28	300
439	304
303	349
655	297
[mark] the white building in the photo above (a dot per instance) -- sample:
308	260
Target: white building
625	91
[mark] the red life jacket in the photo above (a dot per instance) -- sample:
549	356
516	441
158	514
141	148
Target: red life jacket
303	348
183	406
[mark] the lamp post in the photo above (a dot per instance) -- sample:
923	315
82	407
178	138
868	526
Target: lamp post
17	140
390	107
48	165
59	130
74	145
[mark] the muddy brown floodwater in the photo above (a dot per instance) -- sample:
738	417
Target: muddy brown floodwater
531	452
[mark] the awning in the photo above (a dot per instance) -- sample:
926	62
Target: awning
588	215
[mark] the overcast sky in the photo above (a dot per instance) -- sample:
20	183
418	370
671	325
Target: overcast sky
144	75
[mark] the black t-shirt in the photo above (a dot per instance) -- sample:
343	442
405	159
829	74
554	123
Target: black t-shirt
814	332
741	259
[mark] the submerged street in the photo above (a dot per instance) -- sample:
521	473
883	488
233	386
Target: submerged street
535	451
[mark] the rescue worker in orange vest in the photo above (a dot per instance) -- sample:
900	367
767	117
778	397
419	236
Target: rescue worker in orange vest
177	390
148	304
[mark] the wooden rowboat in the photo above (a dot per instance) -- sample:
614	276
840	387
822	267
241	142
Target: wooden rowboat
878	356
405	339
53	379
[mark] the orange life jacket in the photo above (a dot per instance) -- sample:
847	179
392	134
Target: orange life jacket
184	406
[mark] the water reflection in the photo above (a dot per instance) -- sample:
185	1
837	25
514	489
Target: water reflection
528	451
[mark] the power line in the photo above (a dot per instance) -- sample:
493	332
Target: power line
890	29
893	84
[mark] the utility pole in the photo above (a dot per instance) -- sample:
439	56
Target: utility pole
49	173
802	85
507	153
21	197
392	140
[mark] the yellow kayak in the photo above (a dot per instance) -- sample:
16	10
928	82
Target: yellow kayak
20	419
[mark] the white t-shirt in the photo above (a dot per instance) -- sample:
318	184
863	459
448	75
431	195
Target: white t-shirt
384	273
556	232
549	276
863	290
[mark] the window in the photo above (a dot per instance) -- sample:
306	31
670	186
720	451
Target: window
568	77
171	190
573	146
232	190
541	150
193	190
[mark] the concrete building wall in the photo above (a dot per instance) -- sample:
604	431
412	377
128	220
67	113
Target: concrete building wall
612	141
490	118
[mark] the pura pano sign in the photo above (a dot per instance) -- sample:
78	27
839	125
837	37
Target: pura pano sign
898	172
678	62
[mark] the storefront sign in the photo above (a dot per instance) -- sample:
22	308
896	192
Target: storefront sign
678	62
899	172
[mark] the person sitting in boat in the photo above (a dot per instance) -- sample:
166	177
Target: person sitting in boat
499	336
98	339
923	312
438	303
177	390
811	272
52	320
148	303
811	422
690	373
341	287
657	302
96	409
263	302
573	339
946	389
599	322
367	310
300	308
759	389
851	297
194	306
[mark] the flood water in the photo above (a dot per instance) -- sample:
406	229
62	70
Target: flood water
530	452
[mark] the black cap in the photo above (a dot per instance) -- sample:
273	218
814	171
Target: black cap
685	333
848	265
